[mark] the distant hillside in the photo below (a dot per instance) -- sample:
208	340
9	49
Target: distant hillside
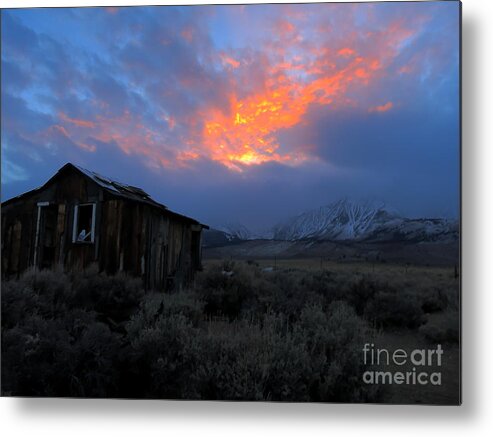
368	221
345	220
217	238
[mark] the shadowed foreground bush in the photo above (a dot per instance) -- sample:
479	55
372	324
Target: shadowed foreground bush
314	360
391	309
444	328
240	333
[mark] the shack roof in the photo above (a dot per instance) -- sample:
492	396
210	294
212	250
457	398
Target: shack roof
111	186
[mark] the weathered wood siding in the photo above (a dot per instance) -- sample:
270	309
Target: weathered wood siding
130	236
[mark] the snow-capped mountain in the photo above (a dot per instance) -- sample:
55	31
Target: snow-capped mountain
226	235
237	231
344	220
423	229
341	220
216	238
373	221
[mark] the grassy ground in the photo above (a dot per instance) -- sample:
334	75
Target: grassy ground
406	276
419	281
352	267
426	254
284	330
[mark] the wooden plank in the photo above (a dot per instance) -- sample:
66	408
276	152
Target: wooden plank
59	236
15	251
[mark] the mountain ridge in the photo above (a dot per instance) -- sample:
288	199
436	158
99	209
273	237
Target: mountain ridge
346	220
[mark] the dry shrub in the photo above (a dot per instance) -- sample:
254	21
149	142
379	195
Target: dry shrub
289	334
230	288
393	309
115	296
442	328
434	300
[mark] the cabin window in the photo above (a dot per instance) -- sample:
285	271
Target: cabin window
84	223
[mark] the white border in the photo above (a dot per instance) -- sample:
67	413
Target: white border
59	417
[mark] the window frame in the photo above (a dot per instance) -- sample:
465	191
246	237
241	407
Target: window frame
76	223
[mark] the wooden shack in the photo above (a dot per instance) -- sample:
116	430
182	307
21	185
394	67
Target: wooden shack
79	218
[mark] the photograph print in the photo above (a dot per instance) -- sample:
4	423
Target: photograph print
232	202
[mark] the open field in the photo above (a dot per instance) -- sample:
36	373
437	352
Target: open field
423	284
413	278
284	330
379	269
414	253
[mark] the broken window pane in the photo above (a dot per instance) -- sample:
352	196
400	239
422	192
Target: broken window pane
84	223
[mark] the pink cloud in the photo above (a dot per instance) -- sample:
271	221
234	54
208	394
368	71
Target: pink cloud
382	108
76	122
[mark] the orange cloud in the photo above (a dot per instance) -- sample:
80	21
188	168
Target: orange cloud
246	134
262	95
284	28
57	129
87	147
346	52
54	133
229	61
296	74
405	69
80	123
382	108
187	34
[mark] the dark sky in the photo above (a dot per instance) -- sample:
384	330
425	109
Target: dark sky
239	113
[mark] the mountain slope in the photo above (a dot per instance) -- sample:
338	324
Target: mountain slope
368	221
237	230
218	238
344	220
341	220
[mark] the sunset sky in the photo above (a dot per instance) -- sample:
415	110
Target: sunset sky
242	114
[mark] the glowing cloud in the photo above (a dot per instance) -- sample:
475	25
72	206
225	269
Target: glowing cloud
76	122
346	52
247	133
229	61
192	91
382	108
